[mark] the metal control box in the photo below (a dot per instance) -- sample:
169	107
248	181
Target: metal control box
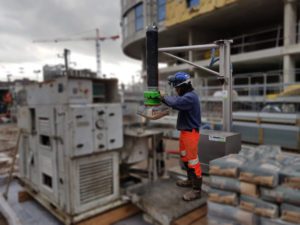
69	149
215	144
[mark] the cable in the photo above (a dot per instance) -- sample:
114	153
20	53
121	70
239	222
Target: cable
78	33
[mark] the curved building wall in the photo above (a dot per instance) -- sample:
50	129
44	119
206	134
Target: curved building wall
259	29
132	18
136	16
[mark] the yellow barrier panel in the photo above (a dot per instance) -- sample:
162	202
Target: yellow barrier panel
177	11
207	54
230	1
207	6
292	90
220	3
272	96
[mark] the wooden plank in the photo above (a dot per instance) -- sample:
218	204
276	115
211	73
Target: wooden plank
112	216
23	196
192	217
202	221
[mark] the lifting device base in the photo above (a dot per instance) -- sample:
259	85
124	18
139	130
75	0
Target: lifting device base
162	200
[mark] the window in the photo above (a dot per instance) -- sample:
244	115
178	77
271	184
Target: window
192	3
32	120
161	10
139	18
99	90
45	140
47	180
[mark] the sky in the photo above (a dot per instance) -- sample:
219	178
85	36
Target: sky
22	21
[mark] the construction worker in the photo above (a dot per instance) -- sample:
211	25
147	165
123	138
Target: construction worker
7	100
188	123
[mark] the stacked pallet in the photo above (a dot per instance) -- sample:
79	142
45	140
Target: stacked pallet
257	186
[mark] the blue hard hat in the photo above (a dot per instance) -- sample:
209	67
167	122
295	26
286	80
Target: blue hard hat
178	79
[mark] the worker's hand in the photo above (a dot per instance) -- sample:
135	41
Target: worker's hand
162	95
158	115
154	113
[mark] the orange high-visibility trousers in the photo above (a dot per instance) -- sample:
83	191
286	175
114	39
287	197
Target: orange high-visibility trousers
188	147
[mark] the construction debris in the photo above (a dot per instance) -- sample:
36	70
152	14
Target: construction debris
8	137
265	185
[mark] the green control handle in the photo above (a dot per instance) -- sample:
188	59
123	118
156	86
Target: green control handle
152	98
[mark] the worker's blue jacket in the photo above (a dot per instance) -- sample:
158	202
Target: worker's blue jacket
189	116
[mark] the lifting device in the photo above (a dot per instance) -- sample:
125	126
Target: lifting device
152	95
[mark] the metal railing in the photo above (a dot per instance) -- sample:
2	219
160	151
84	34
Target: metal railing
259	87
264	39
269	38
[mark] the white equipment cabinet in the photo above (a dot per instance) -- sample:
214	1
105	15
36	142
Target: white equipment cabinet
69	149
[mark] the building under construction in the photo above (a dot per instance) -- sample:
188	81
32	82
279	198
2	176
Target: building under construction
265	58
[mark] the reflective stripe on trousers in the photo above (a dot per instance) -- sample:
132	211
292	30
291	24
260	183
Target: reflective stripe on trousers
195	164
183	155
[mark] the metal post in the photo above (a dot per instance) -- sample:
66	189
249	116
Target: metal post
190	37
66	58
98	53
278	36
206	87
265	86
298	34
225	70
154	165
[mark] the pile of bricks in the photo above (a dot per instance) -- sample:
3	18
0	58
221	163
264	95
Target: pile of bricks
257	186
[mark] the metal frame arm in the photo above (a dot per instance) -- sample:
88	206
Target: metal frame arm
193	64
188	48
224	73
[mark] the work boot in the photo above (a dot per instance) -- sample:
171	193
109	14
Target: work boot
192	195
196	192
184	183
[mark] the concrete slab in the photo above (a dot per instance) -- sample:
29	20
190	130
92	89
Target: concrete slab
162	200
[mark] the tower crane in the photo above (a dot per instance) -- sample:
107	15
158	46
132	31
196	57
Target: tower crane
97	40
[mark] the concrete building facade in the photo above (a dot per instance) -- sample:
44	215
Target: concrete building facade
265	33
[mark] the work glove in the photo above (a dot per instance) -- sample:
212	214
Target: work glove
162	96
